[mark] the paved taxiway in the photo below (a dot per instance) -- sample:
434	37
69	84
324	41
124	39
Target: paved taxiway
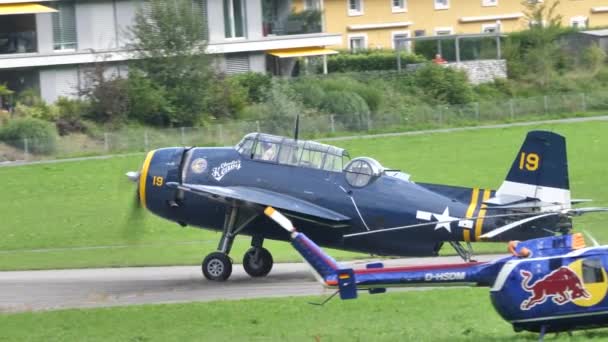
60	289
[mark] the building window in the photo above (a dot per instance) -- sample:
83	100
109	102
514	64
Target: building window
419	33
399	41
442	4
399	6
579	22
489	3
234	18
312	5
443	31
64	26
355	7
357	42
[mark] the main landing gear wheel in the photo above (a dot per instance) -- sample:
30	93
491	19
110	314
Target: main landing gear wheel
217	266
257	262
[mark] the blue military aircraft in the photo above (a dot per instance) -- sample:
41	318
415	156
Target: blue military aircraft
548	284
356	205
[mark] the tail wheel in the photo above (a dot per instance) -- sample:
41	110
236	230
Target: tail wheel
257	262
217	266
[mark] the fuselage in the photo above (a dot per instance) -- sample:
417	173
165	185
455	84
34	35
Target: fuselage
388	199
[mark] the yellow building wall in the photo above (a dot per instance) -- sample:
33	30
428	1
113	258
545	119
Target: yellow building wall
423	16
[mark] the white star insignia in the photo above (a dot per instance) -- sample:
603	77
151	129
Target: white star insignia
444	220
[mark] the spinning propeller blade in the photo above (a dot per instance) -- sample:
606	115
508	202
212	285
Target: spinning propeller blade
134	223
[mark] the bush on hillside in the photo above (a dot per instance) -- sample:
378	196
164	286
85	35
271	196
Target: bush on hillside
445	85
226	99
255	84
41	135
350	109
70	116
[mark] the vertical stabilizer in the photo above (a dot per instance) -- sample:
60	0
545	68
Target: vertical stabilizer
539	171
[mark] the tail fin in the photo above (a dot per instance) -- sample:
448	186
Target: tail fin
540	171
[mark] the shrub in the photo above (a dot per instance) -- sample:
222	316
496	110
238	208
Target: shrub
255	83
148	102
350	108
38	110
41	135
70	116
309	91
369	60
226	99
444	85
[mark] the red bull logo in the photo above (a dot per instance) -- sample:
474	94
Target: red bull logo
562	285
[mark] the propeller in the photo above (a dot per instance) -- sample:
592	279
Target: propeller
134	223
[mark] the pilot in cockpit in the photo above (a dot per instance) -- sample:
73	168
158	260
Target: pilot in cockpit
269	151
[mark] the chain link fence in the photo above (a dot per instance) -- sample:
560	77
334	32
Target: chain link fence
408	119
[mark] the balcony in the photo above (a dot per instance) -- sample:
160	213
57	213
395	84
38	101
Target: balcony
18	34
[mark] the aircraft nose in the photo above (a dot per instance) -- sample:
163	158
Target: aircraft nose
133	176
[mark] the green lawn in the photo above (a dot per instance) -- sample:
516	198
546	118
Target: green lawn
85	204
434	315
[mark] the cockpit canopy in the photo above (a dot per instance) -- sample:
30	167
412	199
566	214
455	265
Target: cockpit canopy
287	151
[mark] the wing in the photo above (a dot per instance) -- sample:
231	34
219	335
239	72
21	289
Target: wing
292	205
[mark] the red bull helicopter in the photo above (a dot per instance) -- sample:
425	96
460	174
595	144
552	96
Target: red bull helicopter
548	284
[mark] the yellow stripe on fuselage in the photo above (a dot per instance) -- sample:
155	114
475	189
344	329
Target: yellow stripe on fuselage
482	214
470	211
143	177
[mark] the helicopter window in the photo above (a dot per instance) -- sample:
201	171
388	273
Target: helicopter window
555	264
358	173
592	271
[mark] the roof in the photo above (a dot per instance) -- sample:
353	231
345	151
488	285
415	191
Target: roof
597	33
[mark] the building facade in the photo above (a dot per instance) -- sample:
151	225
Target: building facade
49	45
381	23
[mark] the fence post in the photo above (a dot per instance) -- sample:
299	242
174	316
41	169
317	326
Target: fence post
511	109
546	100
183	135
477	111
146	140
440	116
106	142
369	123
333	123
257	126
584	103
220	133
26	149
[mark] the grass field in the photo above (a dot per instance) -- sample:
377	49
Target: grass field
434	315
57	215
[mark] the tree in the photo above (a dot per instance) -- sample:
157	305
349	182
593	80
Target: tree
169	42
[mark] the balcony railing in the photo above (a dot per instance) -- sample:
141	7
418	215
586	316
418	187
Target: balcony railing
18	42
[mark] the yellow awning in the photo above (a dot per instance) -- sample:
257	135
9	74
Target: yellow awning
302	52
8	9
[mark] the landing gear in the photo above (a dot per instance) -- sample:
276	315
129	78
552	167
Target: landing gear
466	253
217	266
257	261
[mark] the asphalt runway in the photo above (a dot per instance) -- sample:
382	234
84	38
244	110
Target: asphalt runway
61	289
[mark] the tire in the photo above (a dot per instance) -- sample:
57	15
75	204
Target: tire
257	262
217	266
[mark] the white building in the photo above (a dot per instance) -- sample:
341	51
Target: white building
48	45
